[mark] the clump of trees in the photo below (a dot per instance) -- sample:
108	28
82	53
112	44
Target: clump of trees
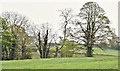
14	36
89	28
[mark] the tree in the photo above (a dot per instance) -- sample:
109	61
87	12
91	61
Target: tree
66	14
22	39
15	22
16	18
42	35
7	39
92	27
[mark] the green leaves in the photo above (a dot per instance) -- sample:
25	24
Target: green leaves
68	50
3	24
7	37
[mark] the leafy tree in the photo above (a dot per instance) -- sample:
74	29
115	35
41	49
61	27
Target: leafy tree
91	27
7	39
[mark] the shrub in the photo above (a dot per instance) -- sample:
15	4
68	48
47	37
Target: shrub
68	50
28	54
51	53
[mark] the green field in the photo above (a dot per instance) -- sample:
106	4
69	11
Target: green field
63	63
81	62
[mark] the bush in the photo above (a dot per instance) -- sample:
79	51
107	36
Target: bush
68	50
51	53
28	54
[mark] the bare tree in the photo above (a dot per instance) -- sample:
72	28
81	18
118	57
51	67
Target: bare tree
92	27
66	15
42	35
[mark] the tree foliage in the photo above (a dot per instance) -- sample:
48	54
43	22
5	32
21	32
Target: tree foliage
68	49
7	39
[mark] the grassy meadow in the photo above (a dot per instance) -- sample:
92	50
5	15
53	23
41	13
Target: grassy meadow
109	60
63	63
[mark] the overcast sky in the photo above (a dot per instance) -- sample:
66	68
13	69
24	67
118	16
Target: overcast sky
42	11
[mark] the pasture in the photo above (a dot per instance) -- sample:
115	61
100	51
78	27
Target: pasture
63	63
107	59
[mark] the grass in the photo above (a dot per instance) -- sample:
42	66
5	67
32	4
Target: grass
63	63
106	51
97	62
102	52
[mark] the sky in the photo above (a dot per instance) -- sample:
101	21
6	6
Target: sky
43	11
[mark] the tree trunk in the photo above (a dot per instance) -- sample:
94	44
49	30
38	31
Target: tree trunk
3	54
6	52
43	52
47	52
89	52
40	53
45	44
23	52
12	52
39	46
56	53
